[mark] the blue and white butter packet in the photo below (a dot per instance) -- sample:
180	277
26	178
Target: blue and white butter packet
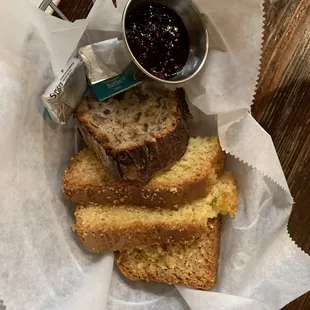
109	68
110	87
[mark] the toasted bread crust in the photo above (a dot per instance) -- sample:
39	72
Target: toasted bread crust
101	239
159	195
165	198
210	238
139	163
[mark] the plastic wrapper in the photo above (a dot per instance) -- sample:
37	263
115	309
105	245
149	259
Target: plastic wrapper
65	93
109	68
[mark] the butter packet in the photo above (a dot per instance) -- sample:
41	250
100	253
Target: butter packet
109	68
130	77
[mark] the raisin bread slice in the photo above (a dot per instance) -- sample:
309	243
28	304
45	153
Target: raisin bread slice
136	133
192	263
190	178
108	227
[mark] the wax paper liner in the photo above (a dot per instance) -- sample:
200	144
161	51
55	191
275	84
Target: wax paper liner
42	264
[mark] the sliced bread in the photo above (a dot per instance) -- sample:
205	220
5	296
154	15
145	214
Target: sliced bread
192	263
108	227
192	177
136	133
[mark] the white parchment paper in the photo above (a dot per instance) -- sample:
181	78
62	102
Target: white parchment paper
42	264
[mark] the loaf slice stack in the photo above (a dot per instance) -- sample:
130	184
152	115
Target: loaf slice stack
192	177
148	191
167	230
109	227
137	133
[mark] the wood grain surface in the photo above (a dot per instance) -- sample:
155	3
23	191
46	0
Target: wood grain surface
281	105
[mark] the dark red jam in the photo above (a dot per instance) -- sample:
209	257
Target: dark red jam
158	39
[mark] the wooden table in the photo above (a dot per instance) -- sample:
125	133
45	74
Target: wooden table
282	102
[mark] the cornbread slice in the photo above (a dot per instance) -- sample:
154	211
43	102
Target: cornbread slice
108	227
136	133
192	263
192	177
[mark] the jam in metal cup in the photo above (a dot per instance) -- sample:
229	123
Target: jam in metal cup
198	37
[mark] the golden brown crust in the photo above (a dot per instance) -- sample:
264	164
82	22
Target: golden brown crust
162	195
206	247
139	163
103	239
